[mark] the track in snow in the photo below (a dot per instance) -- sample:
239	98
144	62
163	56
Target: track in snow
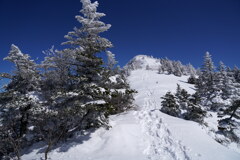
161	144
167	137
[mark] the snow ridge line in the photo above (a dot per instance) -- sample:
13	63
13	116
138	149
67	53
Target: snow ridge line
161	144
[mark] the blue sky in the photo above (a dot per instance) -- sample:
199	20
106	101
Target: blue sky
178	29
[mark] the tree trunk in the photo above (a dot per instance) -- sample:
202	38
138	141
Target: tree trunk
233	113
47	150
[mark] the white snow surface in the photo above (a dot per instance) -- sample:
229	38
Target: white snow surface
144	133
142	61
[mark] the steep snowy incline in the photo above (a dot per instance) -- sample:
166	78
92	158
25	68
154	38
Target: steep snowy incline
170	137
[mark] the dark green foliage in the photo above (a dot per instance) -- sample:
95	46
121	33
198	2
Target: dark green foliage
181	94
14	126
119	101
194	113
183	105
227	126
195	99
192	79
170	106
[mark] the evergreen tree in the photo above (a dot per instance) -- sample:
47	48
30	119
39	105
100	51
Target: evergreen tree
236	74
191	70
178	70
182	97
194	113
86	70
221	75
229	126
56	67
225	82
195	99
111	61
170	106
15	101
233	110
183	105
192	79
86	44
25	76
208	74
206	84
73	91
160	69
119	97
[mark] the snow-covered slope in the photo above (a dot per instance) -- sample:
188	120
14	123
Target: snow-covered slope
144	133
190	137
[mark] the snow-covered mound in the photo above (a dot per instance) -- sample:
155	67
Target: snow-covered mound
143	62
145	133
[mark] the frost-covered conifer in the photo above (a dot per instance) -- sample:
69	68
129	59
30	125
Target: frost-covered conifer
85	44
208	73
191	70
177	68
170	106
111	61
206	86
56	68
16	103
224	82
25	76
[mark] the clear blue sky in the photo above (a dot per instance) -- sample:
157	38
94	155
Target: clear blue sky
178	29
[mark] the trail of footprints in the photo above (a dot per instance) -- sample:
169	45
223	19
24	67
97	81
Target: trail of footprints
161	145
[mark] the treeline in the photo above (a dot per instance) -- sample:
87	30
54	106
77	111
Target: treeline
162	65
70	91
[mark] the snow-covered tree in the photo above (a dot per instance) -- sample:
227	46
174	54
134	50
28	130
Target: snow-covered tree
229	126
191	70
15	101
178	69
69	92
56	68
208	73
183	105
170	106
208	67
119	98
206	84
195	113
111	61
236	74
224	82
25	76
80	78
182	97
85	44
192	79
